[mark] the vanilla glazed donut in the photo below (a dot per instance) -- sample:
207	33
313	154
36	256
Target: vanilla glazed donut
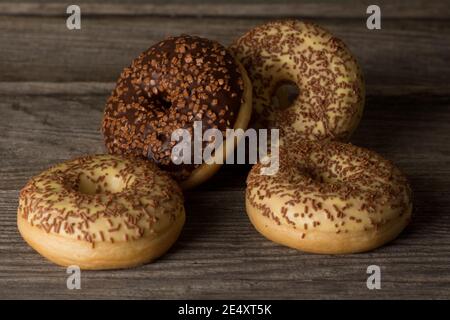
171	85
101	212
331	198
330	98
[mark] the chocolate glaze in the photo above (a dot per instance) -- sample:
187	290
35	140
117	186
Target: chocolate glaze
169	86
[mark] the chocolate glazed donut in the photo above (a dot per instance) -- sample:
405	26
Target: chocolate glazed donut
171	85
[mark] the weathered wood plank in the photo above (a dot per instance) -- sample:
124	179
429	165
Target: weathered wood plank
403	53
219	254
104	88
44	124
434	9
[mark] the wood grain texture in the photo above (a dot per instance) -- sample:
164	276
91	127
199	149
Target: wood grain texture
219	254
435	9
53	86
404	52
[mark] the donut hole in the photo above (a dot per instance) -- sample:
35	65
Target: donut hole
160	102
320	176
161	137
285	94
165	104
323	177
101	184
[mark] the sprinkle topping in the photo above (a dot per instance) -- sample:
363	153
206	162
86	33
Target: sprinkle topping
171	85
331	89
332	187
102	198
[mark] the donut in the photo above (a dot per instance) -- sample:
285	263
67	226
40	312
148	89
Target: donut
330	198
101	212
170	86
328	97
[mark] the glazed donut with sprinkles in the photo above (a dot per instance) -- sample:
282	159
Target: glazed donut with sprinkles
329	198
328	79
172	85
101	212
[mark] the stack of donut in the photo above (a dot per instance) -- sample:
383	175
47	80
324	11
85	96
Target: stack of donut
327	196
126	208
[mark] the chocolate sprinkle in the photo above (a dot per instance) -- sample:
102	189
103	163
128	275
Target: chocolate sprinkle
330	185
169	86
331	89
102	198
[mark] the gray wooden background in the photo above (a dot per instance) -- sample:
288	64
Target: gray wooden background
53	86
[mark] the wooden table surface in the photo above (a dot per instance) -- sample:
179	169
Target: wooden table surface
53	87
